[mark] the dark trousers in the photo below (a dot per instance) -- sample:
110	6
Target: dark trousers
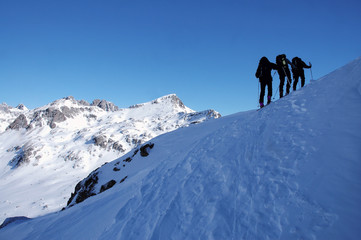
265	83
296	75
282	74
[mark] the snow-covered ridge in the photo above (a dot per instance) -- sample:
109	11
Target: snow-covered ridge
288	171
49	114
170	99
65	140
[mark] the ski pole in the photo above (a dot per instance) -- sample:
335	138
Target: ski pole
274	96
288	80
311	71
258	94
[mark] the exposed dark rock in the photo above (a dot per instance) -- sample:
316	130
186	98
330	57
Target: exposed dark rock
12	149
105	105
172	98
104	164
83	102
115	169
123	179
135	152
19	122
21	107
23	156
84	189
117	146
71	156
197	116
108	185
13	219
144	150
136	106
212	114
69	112
52	125
71	98
100	141
92	116
136	141
109	144
128	159
55	115
50	116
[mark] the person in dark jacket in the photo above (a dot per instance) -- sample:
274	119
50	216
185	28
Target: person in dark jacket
265	78
283	71
297	70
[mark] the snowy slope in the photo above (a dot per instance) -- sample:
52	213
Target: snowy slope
44	152
289	171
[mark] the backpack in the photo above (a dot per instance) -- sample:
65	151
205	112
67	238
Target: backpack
262	67
281	60
296	62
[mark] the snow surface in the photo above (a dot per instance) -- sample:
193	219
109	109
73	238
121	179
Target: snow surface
289	171
58	158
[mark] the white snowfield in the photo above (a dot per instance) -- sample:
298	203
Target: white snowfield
289	171
62	142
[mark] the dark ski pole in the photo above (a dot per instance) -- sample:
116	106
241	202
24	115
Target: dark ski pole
258	96
274	96
288	80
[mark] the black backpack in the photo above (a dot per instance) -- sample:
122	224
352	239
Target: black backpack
296	62
281	60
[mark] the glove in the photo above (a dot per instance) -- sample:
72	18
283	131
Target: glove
310	64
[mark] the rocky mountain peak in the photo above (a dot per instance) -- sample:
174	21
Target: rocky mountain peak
21	107
172	99
105	105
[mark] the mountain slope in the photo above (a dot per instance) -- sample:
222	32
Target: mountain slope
55	146
289	171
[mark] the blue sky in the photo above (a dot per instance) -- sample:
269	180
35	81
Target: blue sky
133	51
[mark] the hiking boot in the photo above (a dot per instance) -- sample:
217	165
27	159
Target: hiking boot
268	99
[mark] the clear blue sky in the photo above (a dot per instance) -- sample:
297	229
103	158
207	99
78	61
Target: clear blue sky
133	51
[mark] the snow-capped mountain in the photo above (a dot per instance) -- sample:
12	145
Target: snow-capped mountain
289	171
44	152
8	114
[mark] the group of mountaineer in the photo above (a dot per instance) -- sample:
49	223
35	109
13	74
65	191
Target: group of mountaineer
265	78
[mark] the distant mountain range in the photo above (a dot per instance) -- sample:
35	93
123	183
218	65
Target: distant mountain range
44	152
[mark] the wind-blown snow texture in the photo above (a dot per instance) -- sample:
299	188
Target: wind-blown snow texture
289	171
44	152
